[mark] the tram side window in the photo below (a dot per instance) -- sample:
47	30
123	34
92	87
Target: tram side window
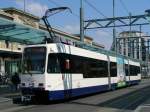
90	68
53	64
62	57
134	70
126	70
139	70
97	68
113	69
78	64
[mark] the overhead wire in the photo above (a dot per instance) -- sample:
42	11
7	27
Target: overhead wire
98	11
92	6
124	6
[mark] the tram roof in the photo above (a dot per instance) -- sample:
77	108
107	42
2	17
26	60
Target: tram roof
15	32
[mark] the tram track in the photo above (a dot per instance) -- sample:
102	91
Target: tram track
128	101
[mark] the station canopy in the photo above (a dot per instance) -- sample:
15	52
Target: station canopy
15	32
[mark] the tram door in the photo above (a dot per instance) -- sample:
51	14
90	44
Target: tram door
67	76
121	72
67	80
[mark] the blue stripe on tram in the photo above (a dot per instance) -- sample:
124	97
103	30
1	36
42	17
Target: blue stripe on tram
61	94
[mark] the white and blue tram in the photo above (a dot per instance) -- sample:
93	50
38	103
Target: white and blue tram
59	71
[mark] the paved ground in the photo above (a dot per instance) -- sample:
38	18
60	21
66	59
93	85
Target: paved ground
4	89
135	98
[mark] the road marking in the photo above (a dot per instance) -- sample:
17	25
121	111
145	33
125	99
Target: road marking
16	108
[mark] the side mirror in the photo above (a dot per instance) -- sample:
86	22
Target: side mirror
67	64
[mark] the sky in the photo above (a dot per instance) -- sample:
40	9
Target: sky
70	23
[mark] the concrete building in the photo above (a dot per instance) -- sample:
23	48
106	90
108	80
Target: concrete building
89	40
10	50
132	44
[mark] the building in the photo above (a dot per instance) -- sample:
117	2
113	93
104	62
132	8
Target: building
27	27
132	44
90	41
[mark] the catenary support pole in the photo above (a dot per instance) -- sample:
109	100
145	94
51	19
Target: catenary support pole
81	21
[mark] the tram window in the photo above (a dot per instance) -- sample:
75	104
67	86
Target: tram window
34	60
90	68
53	64
57	63
126	70
78	64
98	68
134	70
62	60
138	70
113	69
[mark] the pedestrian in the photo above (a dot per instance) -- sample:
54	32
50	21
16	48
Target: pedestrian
15	80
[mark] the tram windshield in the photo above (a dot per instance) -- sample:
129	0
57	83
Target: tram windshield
34	60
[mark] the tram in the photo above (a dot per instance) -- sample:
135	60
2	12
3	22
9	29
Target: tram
57	71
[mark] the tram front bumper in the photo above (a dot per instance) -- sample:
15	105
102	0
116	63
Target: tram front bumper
29	93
